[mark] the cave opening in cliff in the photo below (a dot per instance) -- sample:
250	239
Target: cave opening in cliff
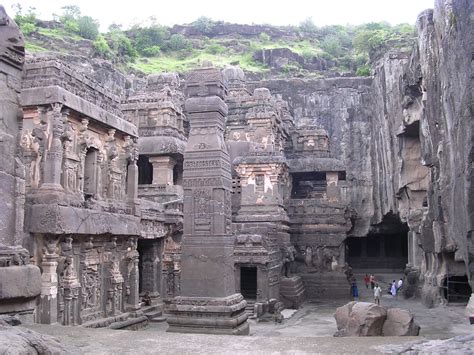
248	282
308	185
384	248
145	170
456	289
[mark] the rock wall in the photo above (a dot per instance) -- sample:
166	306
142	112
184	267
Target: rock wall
422	134
406	139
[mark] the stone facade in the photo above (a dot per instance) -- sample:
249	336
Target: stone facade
221	197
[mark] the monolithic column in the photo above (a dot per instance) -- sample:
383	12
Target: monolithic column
163	170
208	302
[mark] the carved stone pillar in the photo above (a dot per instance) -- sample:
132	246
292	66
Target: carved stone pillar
163	170
71	288
133	277
131	148
48	310
208	302
114	291
54	154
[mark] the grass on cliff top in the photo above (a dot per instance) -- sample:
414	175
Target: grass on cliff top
173	62
59	33
34	48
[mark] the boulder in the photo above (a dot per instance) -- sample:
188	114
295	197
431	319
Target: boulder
400	322
370	319
342	315
366	319
18	340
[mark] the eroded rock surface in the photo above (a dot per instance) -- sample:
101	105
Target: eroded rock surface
370	319
18	340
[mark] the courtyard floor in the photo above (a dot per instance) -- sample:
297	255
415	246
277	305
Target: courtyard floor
309	330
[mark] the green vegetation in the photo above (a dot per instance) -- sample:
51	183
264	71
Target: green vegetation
26	21
33	48
101	48
153	47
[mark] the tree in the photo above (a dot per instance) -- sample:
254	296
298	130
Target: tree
204	25
70	17
332	44
26	22
122	45
70	12
147	37
101	48
88	27
308	25
178	42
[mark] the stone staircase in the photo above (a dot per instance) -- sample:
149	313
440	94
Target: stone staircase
326	285
250	307
154	313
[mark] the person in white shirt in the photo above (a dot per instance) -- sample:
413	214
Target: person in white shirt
399	285
377	293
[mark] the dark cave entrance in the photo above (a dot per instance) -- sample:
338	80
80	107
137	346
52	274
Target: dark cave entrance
456	289
384	248
308	185
248	282
145	170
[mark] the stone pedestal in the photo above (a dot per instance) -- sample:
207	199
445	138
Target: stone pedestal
163	170
292	291
208	302
208	315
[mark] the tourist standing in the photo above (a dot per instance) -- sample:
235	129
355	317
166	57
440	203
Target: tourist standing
354	289
399	285
377	294
372	281
393	289
366	280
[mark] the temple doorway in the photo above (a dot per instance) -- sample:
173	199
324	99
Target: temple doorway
149	265
248	282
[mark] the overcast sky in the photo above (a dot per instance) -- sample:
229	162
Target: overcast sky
276	12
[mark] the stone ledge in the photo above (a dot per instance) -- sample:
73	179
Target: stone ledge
55	219
54	94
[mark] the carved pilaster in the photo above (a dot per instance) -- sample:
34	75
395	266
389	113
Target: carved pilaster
49	283
54	153
133	274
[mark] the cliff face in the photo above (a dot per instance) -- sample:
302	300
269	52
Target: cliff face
422	153
406	139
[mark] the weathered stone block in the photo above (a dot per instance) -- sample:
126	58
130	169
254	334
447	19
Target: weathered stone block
19	282
400	322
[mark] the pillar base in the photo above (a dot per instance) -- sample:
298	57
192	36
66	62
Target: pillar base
208	315
292	291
